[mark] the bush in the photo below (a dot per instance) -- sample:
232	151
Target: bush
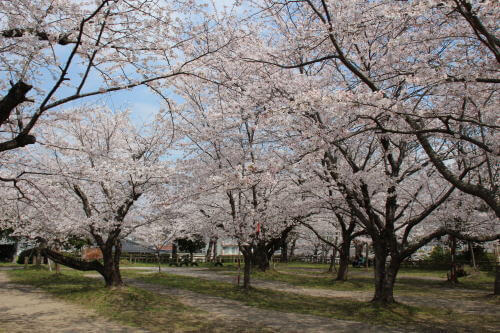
484	261
440	258
7	252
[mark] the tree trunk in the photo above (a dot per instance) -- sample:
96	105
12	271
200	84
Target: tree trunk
332	258
385	277
284	250
111	264
366	255
452	277
208	254
472	256
496	289
358	249
292	249
16	247
214	255
56	264
38	258
159	261
247	255
332	266
260	257
344	259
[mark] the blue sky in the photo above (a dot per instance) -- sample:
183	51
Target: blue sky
142	102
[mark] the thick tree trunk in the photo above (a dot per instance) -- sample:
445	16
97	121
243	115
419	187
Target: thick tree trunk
111	264
385	277
344	260
261	257
72	262
214	255
248	268
452	276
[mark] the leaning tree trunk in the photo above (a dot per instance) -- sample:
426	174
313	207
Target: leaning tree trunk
208	254
343	260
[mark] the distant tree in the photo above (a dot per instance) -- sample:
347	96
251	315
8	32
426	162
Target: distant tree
191	245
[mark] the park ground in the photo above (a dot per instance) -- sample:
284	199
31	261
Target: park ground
289	298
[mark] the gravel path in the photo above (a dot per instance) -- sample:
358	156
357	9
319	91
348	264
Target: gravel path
28	309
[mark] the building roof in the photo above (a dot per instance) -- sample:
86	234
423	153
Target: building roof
131	246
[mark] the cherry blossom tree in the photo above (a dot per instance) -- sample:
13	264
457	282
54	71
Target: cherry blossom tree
96	177
242	186
160	233
438	85
392	106
54	52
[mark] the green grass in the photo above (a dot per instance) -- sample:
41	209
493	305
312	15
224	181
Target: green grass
398	315
410	281
9	264
126	305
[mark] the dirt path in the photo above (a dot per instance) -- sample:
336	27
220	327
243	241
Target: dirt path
276	320
464	305
28	309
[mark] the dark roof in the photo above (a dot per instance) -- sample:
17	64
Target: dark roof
130	246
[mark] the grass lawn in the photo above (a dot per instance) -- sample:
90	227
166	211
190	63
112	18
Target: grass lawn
9	264
399	315
410	281
128	305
